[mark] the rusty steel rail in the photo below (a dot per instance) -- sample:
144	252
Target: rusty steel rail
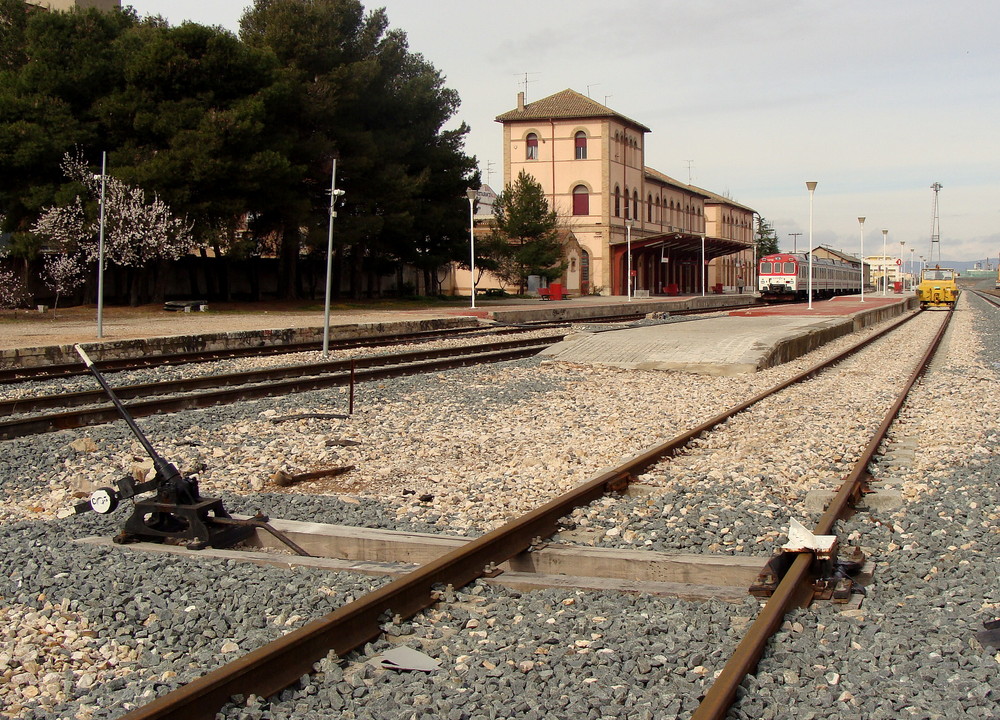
62	370
269	384
988	297
275	666
248	377
717	701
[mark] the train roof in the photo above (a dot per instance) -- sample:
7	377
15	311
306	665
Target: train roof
804	257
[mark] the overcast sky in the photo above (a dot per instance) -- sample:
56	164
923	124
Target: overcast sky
874	100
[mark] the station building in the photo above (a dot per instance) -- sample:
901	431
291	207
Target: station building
590	162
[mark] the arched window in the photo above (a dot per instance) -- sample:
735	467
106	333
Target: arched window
635	203
581	200
649	208
628	215
581	145
618	201
531	147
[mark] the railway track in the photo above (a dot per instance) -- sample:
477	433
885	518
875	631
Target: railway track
271	668
254	384
65	370
992	298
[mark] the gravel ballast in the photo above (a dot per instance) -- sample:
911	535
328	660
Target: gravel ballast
92	631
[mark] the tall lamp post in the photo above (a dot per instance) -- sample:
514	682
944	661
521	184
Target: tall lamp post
811	187
628	259
912	266
100	251
885	266
471	195
334	194
861	222
902	274
704	266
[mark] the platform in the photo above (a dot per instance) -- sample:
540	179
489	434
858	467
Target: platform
28	338
745	341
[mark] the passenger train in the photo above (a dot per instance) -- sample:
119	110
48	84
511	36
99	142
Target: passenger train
785	277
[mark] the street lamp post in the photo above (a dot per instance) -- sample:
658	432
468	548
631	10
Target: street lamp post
811	187
100	251
861	221
334	194
628	259
912	273
704	266
902	274
885	266
471	195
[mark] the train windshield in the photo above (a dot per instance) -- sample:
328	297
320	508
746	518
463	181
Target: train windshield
765	268
789	268
938	275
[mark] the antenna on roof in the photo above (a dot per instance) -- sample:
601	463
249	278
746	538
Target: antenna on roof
524	83
489	171
590	86
690	163
606	98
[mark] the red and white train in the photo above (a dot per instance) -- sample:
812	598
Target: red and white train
785	276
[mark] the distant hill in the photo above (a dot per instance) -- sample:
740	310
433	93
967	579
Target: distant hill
966	265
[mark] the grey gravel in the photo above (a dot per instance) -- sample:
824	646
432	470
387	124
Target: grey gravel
158	621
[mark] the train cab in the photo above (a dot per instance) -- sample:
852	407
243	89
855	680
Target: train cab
938	287
778	276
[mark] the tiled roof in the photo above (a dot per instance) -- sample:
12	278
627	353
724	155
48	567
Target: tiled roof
667	180
715	197
565	104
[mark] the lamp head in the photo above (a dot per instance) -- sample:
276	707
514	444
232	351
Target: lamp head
861	220
471	194
810	186
339	193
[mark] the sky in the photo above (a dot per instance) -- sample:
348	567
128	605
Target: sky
875	100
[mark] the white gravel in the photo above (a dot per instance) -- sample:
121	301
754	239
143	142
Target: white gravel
491	443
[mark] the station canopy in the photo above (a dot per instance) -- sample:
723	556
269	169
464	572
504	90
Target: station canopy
678	244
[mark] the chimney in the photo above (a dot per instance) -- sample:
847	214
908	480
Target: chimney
520	100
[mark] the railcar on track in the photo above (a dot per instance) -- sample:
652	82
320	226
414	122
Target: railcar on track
784	277
938	287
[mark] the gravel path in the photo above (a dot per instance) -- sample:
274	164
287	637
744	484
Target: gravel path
91	631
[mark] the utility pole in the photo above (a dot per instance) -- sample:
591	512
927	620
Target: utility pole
935	222
795	241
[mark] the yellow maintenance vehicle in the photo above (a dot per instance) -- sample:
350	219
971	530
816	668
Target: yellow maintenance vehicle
937	287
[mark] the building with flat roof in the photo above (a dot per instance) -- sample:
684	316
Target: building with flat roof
590	162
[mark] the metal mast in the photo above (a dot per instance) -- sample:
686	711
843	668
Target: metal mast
935	223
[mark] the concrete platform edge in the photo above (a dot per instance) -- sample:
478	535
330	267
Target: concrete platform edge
114	349
807	340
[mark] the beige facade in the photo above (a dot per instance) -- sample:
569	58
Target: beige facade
72	4
590	161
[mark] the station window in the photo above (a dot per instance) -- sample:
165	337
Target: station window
649	208
581	145
635	203
531	147
618	201
581	200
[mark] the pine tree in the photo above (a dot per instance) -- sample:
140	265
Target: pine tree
523	217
